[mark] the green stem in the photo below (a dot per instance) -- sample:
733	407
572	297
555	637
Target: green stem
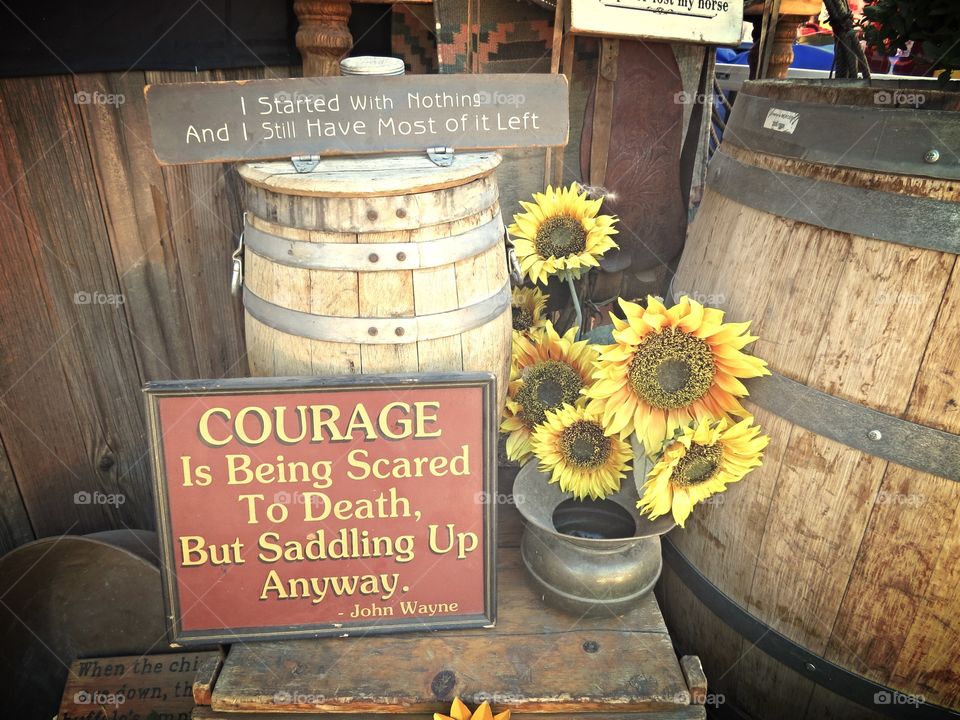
576	305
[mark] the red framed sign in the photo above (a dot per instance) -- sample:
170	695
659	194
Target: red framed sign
308	507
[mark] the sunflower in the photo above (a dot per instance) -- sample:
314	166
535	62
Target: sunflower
459	711
527	306
670	367
561	234
572	446
698	463
548	370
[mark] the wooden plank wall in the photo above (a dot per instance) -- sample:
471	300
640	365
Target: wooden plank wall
114	272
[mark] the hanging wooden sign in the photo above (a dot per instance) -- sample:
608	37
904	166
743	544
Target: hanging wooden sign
705	22
258	119
304	507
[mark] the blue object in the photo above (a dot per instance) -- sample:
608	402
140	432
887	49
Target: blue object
807	57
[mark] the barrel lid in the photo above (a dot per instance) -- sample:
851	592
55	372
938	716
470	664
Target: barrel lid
369	175
371	65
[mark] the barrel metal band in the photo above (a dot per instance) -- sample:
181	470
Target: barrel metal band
372	257
904	219
879	138
377	330
835	678
876	433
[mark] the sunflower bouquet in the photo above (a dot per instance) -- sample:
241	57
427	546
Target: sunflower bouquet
671	380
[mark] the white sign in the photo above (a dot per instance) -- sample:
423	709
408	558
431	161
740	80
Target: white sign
713	22
781	120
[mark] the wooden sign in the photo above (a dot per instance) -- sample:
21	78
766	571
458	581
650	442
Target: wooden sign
135	686
713	22
257	119
303	507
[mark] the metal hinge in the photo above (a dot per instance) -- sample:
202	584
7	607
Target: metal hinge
440	156
305	163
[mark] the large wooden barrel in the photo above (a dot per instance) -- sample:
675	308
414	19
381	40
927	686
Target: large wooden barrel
376	265
827	583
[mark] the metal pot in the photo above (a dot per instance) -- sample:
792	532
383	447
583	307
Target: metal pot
587	557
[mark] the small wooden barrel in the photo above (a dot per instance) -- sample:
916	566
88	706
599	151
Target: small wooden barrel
825	585
376	265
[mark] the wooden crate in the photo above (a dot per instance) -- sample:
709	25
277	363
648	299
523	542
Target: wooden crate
536	661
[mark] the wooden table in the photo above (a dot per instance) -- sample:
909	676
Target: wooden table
537	662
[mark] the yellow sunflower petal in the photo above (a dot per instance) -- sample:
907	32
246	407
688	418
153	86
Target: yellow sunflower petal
562	230
573	448
459	711
698	464
680	362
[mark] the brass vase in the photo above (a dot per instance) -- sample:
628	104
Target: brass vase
587	557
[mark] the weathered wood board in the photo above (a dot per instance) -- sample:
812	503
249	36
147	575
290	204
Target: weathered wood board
116	272
536	660
132	686
688	712
214	122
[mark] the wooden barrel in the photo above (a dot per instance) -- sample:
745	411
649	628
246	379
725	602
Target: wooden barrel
827	583
376	265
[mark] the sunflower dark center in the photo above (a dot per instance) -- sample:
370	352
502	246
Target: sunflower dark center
560	236
546	386
699	464
672	369
522	318
584	445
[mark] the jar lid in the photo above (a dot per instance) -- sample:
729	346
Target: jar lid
371	65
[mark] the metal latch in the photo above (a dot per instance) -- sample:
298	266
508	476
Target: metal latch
513	264
236	280
440	156
305	163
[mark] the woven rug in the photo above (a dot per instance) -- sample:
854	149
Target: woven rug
413	39
513	35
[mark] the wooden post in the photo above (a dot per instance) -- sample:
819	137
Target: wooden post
555	52
783	35
693	673
781	57
323	37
